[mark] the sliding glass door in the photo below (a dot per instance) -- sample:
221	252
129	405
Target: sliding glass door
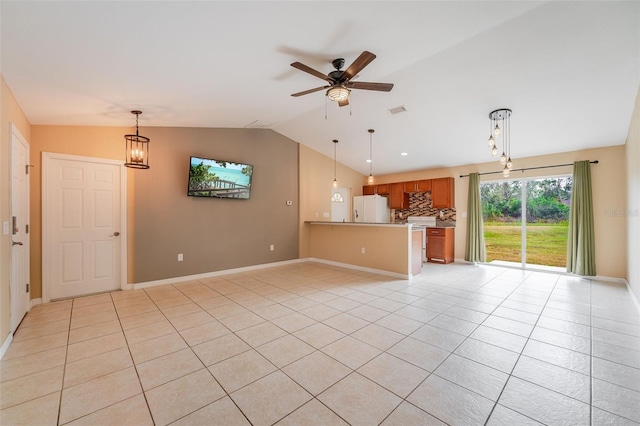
537	237
502	216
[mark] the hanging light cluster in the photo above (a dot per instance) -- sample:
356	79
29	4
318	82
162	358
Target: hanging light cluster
136	148
500	132
370	160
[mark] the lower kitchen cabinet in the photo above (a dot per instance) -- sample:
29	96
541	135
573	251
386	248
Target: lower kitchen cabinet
440	245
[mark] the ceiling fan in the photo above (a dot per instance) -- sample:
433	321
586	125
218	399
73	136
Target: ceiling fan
340	83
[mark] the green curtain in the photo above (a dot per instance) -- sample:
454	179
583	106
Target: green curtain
475	250
581	250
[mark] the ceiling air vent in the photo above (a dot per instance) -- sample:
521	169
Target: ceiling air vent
398	109
260	124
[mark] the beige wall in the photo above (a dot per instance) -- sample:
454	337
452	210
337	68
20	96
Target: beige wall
609	197
10	112
633	200
316	181
387	248
98	142
214	234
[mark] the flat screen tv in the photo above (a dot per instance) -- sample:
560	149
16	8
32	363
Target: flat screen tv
219	179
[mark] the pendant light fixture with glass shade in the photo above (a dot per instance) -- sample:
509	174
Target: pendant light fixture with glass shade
136	148
335	163
370	161
501	117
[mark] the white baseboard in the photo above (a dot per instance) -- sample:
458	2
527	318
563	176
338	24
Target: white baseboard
175	280
35	302
5	345
358	268
209	274
608	279
634	299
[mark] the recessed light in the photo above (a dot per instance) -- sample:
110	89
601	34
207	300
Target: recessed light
404	154
368	161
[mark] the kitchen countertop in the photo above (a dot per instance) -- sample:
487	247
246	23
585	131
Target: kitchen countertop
357	223
367	224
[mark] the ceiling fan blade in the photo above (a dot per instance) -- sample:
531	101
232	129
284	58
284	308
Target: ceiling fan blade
306	92
303	67
343	103
362	61
381	87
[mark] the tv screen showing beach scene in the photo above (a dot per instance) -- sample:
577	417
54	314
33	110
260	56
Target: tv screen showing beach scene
219	179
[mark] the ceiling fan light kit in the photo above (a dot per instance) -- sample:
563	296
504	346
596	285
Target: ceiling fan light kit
338	93
500	128
340	84
339	90
136	148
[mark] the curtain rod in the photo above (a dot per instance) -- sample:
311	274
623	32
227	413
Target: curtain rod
530	168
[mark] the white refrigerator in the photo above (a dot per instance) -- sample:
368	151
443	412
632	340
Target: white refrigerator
371	209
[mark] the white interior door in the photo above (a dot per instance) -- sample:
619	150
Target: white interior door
20	298
340	204
83	221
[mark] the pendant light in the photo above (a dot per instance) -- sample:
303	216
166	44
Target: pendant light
498	117
335	163
136	148
370	179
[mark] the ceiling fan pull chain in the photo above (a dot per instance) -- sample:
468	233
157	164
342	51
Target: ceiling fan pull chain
325	107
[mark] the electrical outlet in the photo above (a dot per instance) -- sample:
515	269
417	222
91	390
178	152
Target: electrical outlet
272	247
180	257
362	250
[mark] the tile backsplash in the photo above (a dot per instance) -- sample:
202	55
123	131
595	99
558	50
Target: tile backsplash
420	205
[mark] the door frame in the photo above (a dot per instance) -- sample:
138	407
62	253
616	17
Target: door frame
13	323
47	157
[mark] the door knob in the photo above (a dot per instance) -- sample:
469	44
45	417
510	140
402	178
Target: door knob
115	234
16	243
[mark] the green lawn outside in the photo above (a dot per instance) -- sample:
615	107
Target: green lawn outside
546	243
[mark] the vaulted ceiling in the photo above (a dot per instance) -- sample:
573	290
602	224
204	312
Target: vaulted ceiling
570	71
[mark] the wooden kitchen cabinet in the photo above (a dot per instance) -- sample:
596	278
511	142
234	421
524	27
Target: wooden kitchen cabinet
368	190
382	189
398	199
423	185
440	245
442	193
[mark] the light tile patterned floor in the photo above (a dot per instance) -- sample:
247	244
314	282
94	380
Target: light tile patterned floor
309	344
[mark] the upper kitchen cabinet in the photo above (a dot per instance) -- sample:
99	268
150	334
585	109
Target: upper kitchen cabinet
382	189
442	193
398	198
423	185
